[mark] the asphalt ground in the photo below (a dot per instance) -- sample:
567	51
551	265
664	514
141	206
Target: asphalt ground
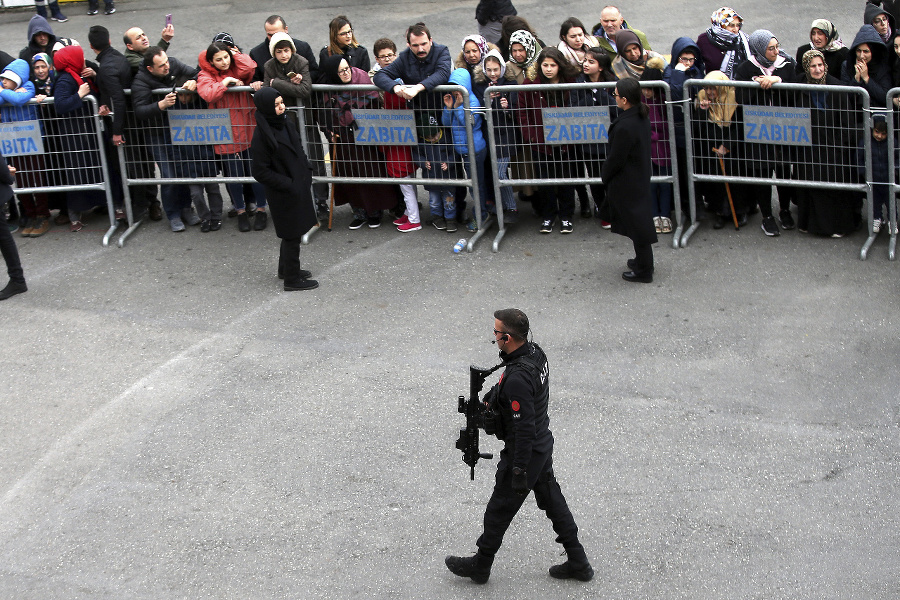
176	426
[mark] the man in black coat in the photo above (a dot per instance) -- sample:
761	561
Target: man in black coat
420	68
518	416
160	71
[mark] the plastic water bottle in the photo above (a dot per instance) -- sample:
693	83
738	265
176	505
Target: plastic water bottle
457	248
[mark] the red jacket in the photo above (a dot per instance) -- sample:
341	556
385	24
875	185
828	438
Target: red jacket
211	89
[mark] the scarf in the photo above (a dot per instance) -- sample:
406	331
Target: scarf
807	58
827	27
70	59
572	56
264	99
496	54
480	42
528	42
623	67
758	42
721	110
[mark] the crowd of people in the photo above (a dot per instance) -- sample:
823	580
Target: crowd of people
507	50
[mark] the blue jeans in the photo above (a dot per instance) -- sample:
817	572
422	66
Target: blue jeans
442	203
174	197
482	183
506	194
661	193
238	165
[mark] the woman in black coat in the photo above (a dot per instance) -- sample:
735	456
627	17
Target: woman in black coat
626	173
8	248
279	164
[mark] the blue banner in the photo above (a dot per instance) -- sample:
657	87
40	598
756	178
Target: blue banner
576	125
385	127
200	127
21	138
777	125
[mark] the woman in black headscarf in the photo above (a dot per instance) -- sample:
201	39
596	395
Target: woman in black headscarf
626	173
279	163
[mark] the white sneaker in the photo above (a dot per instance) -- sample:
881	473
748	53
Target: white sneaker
876	225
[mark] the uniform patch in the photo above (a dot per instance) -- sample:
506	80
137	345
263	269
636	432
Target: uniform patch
515	406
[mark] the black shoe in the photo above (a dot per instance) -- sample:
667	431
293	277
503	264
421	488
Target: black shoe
205	224
547	226
92	11
374	222
356	223
301	284
637	277
304	274
719	223
477	567
155	211
110	9
770	227
243	222
576	567
787	221
742	219
12	288
215	224
260	221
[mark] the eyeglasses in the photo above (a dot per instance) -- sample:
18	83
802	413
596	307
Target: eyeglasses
386	56
348	32
687	61
616	94
502	332
342	71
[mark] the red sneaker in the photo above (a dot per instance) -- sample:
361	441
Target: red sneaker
605	224
409	226
401	221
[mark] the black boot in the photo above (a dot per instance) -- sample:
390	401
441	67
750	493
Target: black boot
575	567
12	288
477	567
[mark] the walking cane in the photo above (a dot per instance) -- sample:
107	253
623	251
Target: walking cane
728	189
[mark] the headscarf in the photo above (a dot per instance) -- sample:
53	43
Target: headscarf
496	54
807	58
528	42
480	42
734	45
328	70
264	99
225	38
758	42
70	59
721	110
827	27
621	66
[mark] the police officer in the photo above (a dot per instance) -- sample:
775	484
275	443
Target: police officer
519	418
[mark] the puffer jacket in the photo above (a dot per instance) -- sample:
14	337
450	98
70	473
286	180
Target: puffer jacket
14	103
240	104
455	118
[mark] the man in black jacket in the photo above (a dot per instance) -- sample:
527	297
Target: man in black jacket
160	71
519	417
420	68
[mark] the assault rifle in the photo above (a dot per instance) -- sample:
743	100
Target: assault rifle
474	409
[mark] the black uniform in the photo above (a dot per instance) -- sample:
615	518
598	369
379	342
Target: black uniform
522	396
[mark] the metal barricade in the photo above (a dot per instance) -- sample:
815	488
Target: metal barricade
189	144
60	153
556	135
365	140
893	101
810	141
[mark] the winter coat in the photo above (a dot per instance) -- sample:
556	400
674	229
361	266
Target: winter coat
75	126
37	24
279	163
13	103
834	60
676	79
594	97
506	129
879	67
493	10
432	71
531	118
6	182
262	54
835	121
603	41
626	173
455	118
660	153
113	78
276	77
356	57
240	104
146	104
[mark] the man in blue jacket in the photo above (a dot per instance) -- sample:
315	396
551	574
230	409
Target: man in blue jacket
423	66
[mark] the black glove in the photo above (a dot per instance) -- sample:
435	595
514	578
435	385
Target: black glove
520	481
